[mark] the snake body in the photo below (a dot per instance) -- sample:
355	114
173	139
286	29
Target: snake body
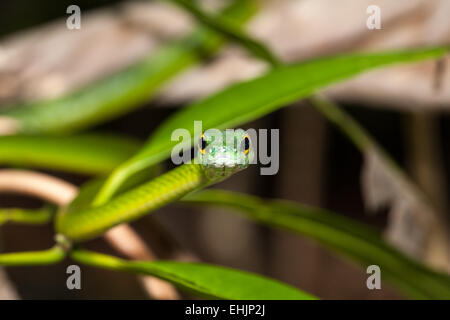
218	158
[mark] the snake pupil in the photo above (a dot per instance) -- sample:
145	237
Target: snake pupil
246	145
202	145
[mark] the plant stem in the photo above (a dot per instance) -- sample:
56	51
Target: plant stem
26	216
99	260
33	258
357	134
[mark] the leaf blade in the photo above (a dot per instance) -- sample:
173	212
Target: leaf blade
220	282
91	153
203	279
352	239
229	30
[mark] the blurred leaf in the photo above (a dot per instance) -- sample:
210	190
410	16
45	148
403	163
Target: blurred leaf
350	238
229	29
84	153
385	184
125	90
26	216
205	280
246	101
219	282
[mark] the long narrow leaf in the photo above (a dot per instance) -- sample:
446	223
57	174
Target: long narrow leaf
350	238
205	280
228	29
85	153
246	101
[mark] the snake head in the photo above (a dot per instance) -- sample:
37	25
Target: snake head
224	152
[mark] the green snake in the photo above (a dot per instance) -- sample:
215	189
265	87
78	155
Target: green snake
220	154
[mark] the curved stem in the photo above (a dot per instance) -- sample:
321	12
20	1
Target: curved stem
99	260
37	184
33	258
26	216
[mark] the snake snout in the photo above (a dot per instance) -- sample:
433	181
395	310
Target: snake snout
224	162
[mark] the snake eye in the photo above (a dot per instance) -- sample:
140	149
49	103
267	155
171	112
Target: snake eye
246	144
202	144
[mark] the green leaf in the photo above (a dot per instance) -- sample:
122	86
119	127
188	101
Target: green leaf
246	101
350	238
203	279
219	282
84	153
126	90
228	29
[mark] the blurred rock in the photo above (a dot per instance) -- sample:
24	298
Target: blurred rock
51	60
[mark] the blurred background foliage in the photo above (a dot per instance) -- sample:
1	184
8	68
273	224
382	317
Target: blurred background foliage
411	126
